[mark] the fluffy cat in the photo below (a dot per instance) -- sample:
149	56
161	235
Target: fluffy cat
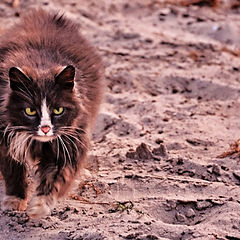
51	82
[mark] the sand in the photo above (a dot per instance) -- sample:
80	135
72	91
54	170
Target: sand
171	108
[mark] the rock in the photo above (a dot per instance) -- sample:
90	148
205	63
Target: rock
180	217
160	151
151	237
202	205
190	213
126	35
199	142
131	154
116	89
130	36
217	201
158	141
165	11
171	204
216	170
142	152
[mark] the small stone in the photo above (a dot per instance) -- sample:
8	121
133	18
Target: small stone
235	227
151	237
165	12
75	210
160	151
190	213
171	204
116	89
216	170
158	141
180	217
217	201
131	154
201	205
143	152
130	36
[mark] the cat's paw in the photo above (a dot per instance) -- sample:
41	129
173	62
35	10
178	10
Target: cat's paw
39	207
13	203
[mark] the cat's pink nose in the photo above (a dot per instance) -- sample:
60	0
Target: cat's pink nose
45	129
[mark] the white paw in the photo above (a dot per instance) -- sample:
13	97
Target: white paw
39	206
14	203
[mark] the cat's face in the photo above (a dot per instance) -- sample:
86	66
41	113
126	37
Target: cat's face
42	108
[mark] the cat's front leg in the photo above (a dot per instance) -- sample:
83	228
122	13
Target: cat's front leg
14	174
54	183
41	206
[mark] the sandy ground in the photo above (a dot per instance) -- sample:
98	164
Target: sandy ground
171	107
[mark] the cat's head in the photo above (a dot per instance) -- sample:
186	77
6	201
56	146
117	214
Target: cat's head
42	107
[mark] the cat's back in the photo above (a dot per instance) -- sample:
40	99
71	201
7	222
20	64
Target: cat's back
45	39
48	32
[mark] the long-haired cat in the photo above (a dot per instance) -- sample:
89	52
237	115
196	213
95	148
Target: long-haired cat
51	82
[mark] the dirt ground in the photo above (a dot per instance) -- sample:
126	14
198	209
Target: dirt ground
171	108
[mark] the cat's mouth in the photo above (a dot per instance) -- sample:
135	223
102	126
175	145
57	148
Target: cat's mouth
44	138
45	133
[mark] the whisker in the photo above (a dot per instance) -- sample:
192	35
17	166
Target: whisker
57	149
73	129
65	149
69	138
69	157
72	134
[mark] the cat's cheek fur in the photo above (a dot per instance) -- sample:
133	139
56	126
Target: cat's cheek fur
13	203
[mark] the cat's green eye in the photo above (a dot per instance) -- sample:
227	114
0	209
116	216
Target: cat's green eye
30	111
58	111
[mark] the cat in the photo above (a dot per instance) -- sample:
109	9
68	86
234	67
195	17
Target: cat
51	86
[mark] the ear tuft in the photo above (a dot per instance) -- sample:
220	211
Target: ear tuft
66	78
18	80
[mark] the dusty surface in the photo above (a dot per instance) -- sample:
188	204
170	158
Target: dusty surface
172	106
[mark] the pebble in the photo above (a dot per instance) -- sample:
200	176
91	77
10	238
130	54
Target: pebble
116	89
170	205
160	151
216	169
180	217
165	11
217	201
130	36
190	213
143	152
201	205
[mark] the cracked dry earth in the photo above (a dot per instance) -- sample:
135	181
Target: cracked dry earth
171	108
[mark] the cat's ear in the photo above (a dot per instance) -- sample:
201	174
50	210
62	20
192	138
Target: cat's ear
66	78
18	80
